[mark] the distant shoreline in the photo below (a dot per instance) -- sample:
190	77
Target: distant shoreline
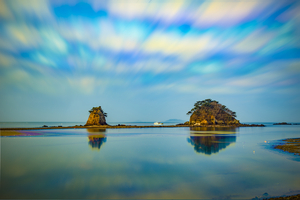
129	126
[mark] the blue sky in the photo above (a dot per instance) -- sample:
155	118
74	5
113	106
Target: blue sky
148	60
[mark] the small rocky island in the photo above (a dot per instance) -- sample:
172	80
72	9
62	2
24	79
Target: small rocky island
211	112
97	117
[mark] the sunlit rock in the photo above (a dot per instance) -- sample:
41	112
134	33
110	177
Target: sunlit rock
211	112
97	117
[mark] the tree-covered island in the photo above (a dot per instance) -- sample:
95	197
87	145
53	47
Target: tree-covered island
211	112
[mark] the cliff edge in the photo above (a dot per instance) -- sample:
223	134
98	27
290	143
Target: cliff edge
97	117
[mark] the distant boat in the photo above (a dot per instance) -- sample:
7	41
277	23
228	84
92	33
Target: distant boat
158	123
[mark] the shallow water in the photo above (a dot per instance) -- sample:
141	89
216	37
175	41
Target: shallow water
149	163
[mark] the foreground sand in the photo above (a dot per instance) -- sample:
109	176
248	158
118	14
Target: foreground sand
292	146
293	197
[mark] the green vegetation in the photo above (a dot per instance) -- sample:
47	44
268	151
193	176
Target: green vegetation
212	106
212	112
97	109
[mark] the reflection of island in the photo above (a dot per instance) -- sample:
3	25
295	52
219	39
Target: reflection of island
97	138
212	143
213	130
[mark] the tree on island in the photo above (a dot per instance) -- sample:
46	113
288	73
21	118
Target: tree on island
211	112
98	109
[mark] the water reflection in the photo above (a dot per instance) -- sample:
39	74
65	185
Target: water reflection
214	130
210	140
97	138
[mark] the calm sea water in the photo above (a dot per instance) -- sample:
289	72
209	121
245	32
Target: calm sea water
65	124
205	163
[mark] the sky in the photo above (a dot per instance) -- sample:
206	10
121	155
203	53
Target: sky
148	60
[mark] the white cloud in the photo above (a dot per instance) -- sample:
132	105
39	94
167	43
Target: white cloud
4	10
192	88
53	41
6	60
275	45
26	36
23	36
185	47
38	9
154	9
253	42
84	84
226	13
275	73
152	65
44	60
159	66
101	35
256	80
129	9
206	68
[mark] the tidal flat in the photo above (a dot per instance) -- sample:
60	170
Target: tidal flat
290	145
177	162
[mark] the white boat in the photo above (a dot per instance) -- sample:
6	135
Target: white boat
158	123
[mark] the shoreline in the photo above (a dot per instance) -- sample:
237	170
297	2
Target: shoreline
284	197
291	145
126	126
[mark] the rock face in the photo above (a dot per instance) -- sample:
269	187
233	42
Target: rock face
209	112
97	117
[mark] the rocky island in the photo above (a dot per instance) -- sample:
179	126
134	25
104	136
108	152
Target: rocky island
97	117
211	112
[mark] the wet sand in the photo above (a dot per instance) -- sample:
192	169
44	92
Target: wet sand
293	197
291	145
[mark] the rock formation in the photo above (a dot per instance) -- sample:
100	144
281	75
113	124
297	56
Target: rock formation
97	117
210	112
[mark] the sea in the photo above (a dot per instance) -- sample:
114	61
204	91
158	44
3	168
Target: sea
66	124
148	163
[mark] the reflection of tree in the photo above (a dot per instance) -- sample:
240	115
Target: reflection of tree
211	112
96	141
231	129
96	130
96	137
212	143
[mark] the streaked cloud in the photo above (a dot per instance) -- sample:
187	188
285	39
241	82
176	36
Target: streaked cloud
187	47
253	42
